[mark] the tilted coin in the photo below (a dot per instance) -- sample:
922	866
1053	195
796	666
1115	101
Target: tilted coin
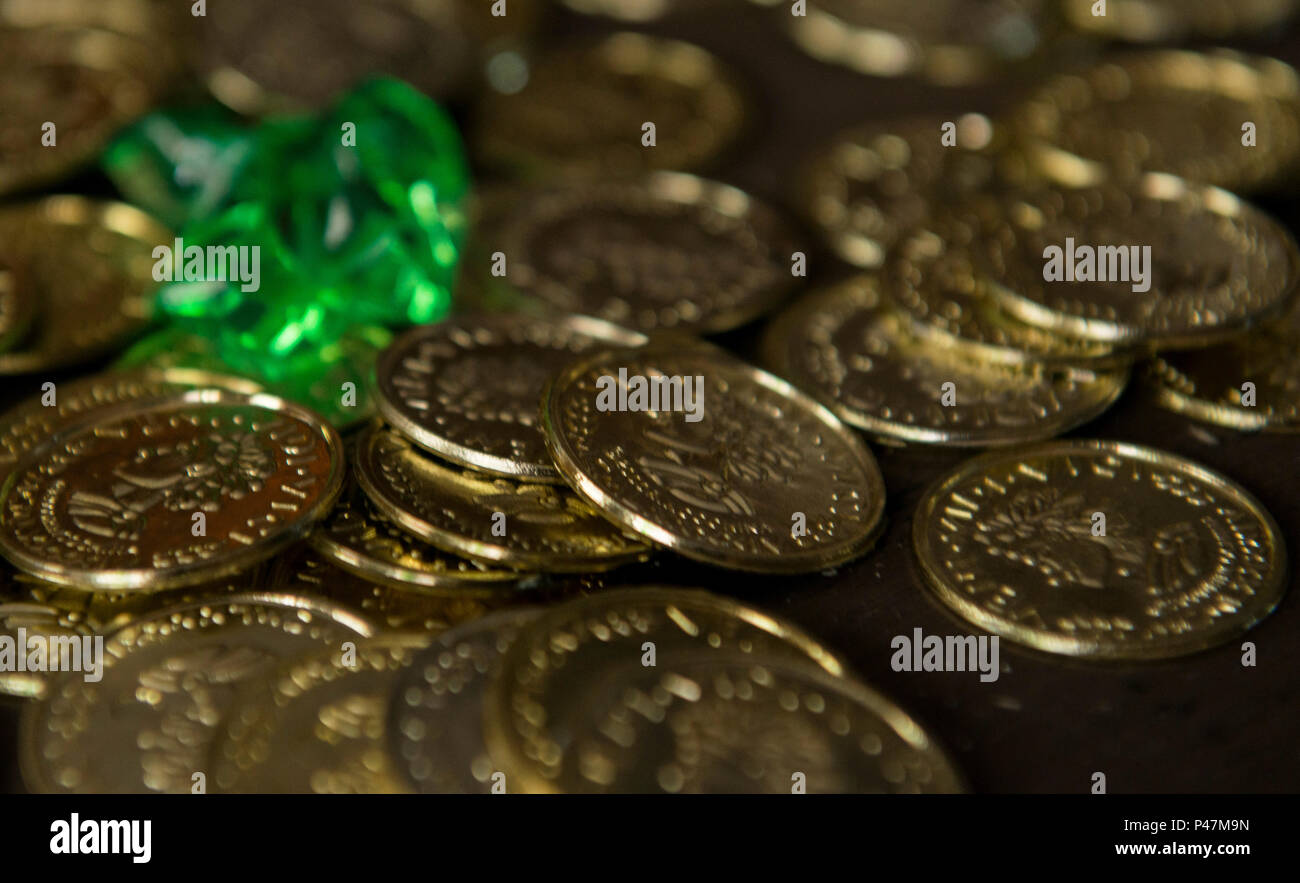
1251	382
569	653
872	183
667	251
1100	549
17	306
1166	263
952	42
583	109
845	346
315	725
435	714
169	492
1171	111
358	538
468	389
524	525
713	458
1171	21
29	424
88	266
167	682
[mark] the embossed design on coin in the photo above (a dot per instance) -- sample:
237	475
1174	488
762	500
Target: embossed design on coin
435	716
469	388
542	527
667	251
722	489
113	502
1185	559
167	683
843	346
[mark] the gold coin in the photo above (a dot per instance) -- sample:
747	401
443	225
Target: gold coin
576	708
1170	111
524	525
315	725
583	109
951	42
358	538
845	346
1211	384
169	492
1100	549
17	306
1212	264
468	388
875	181
664	252
1173	21
88	266
435	714
643	10
935	279
29	424
167	682
736	468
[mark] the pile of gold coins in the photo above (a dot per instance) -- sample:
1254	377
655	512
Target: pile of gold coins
436	597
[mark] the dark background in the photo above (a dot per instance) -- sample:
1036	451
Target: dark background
1199	724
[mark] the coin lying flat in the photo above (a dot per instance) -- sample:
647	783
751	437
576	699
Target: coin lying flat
435	716
315	725
850	350
1181	559
358	538
736	468
667	251
167	681
17	305
1172	21
1211	384
169	492
572	657
524	525
467	389
88	267
583	109
872	183
1169	111
1165	264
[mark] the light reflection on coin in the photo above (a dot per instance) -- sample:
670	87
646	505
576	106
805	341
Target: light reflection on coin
1184	560
468	388
169	492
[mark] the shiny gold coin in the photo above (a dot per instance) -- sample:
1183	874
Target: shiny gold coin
721	462
1100	549
951	42
845	346
1172	21
1170	111
435	714
358	538
568	671
874	182
1165	264
1211	384
31	423
524	525
169	492
582	111
936	280
468	388
167	682
315	725
89	268
17	306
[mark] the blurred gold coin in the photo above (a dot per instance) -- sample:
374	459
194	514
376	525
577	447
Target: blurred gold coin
17	306
1172	21
847	347
498	521
583	111
88	266
1100	549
